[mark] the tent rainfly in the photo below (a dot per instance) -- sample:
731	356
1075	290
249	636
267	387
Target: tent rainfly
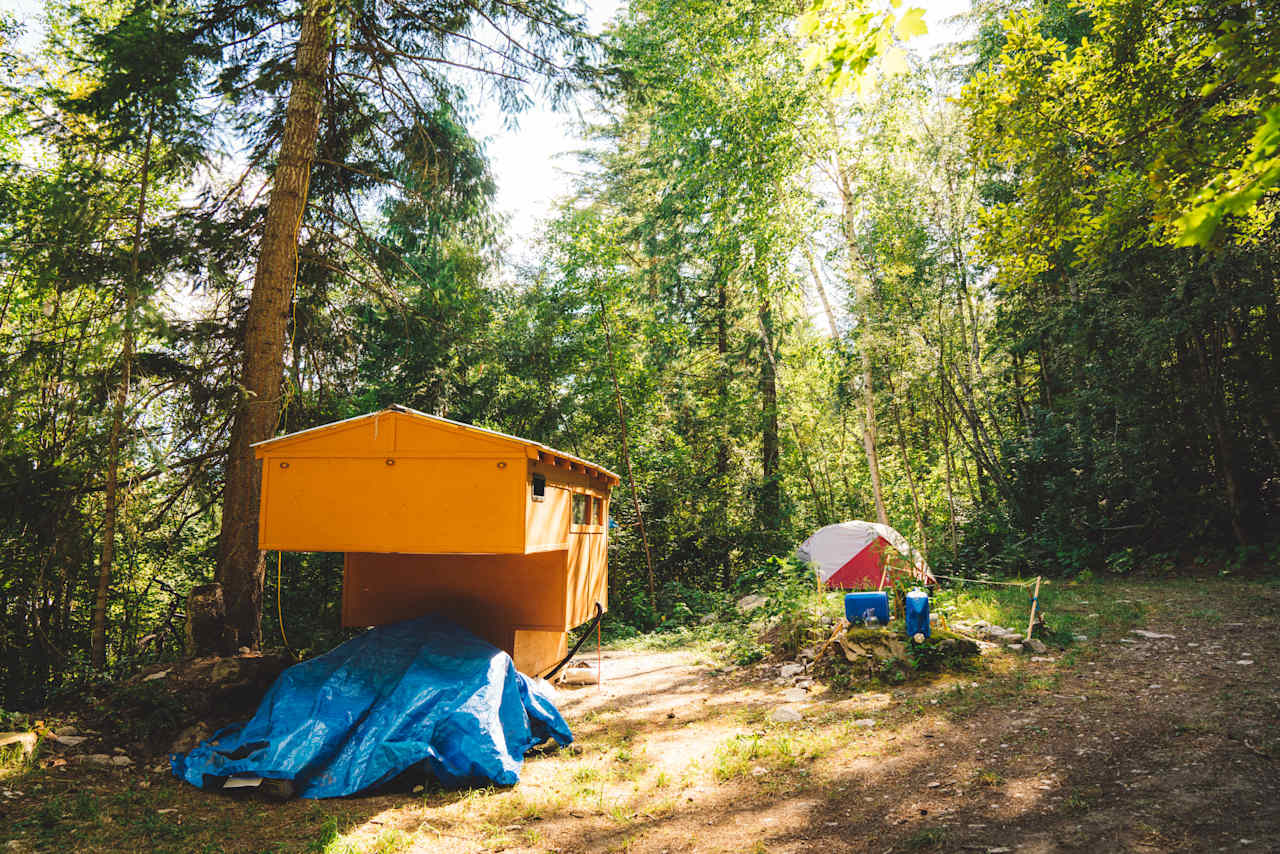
855	555
502	535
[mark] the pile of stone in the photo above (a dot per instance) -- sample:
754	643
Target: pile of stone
1010	639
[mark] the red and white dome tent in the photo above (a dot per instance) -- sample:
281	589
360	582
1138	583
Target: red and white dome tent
862	555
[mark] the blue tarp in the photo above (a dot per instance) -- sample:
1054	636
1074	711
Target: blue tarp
420	690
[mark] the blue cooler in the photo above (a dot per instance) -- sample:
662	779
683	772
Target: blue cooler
858	607
917	613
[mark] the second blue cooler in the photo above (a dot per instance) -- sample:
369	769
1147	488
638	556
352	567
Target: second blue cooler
917	613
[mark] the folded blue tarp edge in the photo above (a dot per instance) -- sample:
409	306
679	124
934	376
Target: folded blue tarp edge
422	690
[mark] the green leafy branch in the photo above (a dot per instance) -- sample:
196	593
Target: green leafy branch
1237	191
844	38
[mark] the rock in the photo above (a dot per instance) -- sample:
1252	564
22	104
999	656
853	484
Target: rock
15	845
97	759
1079	638
26	739
419	789
707	619
1043	658
121	761
789	670
854	649
749	603
785	715
795	695
1244	662
68	730
1037	646
70	740
1014	647
244	650
159	674
1143	633
826	621
804	683
865	723
190	737
579	675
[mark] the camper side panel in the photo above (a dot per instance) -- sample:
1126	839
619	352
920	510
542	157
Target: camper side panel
392	504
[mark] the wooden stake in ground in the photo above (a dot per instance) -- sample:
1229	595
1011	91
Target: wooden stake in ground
1035	599
840	627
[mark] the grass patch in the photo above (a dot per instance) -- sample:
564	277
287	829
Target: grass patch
926	837
741	755
1070	608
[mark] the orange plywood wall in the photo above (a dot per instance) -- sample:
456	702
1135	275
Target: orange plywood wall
587	578
551	525
516	602
510	590
393	483
436	516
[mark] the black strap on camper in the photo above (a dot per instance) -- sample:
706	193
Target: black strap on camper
578	645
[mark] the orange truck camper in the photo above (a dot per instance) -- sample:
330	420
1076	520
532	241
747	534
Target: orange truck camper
505	536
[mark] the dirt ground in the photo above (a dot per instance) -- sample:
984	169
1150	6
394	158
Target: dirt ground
1122	742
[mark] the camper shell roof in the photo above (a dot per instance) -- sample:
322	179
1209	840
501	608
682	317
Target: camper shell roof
534	450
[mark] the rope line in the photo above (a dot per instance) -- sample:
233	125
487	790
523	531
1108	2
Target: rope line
982	581
279	608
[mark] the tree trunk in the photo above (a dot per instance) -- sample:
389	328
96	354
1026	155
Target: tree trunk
943	428
906	466
114	502
770	455
722	435
862	300
1223	443
822	292
870	436
240	567
626	456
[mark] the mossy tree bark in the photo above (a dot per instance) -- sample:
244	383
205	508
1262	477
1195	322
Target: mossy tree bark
240	566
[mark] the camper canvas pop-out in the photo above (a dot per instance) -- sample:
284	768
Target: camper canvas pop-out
505	536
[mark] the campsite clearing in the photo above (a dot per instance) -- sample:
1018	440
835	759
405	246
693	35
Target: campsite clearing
1122	742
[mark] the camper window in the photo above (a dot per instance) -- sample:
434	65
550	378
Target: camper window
539	487
598	516
579	509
